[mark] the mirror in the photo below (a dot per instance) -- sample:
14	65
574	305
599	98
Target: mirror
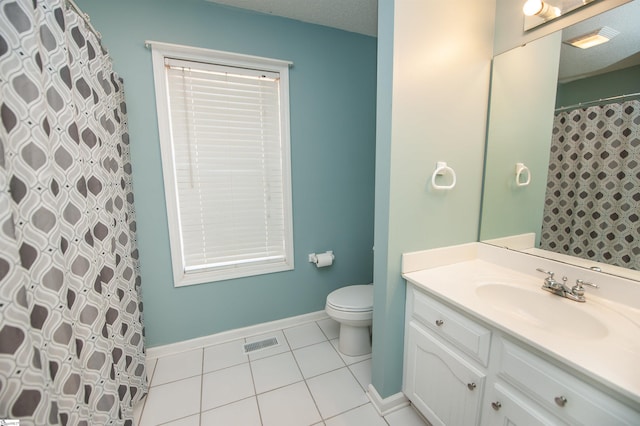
524	93
537	12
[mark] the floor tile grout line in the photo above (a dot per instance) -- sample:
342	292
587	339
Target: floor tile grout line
144	399
342	355
385	420
306	384
325	372
310	344
344	364
250	366
346	411
201	387
282	386
180	418
317	343
203	373
322	329
178	380
229	403
354	376
314	400
255	389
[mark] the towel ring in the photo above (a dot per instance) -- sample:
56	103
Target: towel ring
443	169
522	170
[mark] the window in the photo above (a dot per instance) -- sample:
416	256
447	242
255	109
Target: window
224	135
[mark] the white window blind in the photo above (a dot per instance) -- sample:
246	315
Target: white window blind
230	169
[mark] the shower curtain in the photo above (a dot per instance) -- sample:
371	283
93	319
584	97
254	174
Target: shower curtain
592	202
71	333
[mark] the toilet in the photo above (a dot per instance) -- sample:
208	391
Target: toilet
352	307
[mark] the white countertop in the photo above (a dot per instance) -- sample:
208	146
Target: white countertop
599	338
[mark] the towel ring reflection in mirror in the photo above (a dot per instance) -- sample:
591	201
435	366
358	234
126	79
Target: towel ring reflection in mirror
523	175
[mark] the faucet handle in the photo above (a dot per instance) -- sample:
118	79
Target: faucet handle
551	274
580	283
578	289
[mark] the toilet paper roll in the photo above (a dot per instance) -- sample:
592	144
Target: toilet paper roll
324	259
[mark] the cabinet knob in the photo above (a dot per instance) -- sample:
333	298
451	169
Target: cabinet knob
439	322
560	400
471	386
496	405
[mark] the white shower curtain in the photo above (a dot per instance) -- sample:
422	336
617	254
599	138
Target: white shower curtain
71	333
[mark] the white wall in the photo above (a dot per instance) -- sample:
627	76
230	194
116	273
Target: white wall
436	94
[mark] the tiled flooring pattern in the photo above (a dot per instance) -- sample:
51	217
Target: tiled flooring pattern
303	380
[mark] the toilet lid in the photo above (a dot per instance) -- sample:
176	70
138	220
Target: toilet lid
356	298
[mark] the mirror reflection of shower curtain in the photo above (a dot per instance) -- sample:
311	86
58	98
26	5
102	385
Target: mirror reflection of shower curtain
592	201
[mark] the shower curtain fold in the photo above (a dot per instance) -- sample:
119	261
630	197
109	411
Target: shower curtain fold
593	187
71	330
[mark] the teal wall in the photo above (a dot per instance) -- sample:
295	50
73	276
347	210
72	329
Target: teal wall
333	102
614	83
388	332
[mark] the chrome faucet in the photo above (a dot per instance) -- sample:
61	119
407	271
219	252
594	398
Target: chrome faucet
575	293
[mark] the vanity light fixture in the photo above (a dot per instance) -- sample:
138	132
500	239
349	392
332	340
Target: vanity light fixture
593	38
541	9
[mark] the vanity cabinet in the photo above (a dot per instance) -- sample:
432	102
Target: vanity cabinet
459	371
445	353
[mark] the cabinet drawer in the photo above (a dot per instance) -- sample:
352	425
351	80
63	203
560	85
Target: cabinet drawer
562	394
505	407
465	334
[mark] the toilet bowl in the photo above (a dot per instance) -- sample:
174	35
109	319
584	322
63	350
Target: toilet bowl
352	308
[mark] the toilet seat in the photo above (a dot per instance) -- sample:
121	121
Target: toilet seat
353	298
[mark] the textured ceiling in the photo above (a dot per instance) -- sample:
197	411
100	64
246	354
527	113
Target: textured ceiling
620	52
358	16
361	16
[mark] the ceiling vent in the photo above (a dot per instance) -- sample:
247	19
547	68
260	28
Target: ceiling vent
593	38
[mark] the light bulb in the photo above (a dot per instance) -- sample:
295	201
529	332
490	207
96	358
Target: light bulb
532	7
541	9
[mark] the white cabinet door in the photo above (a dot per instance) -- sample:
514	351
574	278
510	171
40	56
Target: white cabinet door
445	388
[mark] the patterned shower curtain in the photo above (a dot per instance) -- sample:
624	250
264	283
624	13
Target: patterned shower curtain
71	333
592	203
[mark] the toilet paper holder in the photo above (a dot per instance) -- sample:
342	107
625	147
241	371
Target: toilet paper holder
322	259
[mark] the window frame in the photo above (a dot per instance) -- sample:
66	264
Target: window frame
159	52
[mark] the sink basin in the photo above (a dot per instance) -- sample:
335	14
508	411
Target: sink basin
543	310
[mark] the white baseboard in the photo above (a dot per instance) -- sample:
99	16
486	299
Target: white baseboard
387	405
239	333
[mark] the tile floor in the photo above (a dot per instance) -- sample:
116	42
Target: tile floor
303	380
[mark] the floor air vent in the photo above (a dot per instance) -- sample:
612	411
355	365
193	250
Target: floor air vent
262	344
